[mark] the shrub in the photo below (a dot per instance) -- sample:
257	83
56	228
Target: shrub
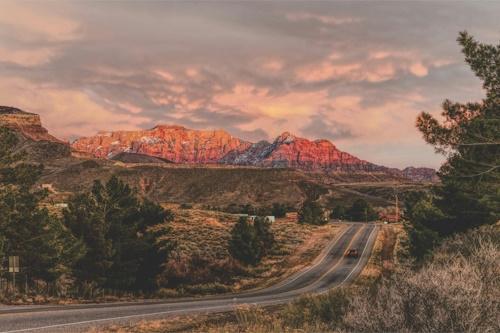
196	270
244	245
458	291
338	212
327	309
311	213
361	210
279	210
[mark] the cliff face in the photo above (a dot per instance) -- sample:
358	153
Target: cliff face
36	142
174	143
288	150
28	124
181	145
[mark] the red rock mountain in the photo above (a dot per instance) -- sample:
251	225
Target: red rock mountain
28	124
178	144
174	143
33	139
182	145
288	150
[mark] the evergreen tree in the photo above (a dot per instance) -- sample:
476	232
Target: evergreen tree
361	210
279	210
45	247
115	226
264	234
244	244
311	213
469	194
339	212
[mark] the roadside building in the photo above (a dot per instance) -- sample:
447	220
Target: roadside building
271	218
390	218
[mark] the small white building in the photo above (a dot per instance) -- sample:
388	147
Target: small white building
48	187
271	218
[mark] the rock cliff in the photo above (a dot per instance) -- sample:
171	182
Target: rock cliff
288	150
33	139
28	124
174	143
182	145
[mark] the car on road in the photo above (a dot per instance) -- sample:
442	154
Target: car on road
352	253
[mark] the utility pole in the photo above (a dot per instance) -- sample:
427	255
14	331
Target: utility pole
14	268
397	203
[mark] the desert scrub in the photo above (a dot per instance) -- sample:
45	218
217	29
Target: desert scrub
201	256
327	309
457	291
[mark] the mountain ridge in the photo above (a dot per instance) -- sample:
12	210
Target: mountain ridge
171	143
34	139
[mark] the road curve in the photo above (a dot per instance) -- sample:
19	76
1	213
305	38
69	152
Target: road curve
330	269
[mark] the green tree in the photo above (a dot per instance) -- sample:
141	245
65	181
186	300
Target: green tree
311	213
361	210
469	194
116	228
264	235
244	244
279	209
339	212
45	247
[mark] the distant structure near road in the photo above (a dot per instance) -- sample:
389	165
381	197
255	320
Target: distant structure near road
271	218
251	218
391	218
48	187
61	205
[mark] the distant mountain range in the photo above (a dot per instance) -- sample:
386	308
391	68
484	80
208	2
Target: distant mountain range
177	144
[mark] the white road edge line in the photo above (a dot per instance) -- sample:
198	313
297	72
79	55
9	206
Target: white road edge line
355	267
108	319
170	311
315	263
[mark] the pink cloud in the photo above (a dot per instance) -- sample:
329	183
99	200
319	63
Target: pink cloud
28	58
324	19
32	21
418	69
65	112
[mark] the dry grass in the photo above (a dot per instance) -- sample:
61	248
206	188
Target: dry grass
202	242
457	291
384	256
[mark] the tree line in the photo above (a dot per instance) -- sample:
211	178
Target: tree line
469	137
106	237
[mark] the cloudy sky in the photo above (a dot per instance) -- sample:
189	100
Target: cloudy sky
356	73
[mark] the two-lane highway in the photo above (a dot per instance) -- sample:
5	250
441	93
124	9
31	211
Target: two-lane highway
329	270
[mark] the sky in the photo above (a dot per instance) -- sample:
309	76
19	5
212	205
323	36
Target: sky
355	73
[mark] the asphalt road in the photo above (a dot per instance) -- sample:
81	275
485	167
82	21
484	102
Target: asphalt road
329	270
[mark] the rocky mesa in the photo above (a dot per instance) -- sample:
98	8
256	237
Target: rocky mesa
33	139
173	143
28	124
288	150
177	144
181	145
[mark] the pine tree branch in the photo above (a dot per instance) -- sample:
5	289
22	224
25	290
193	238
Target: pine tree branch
479	144
482	173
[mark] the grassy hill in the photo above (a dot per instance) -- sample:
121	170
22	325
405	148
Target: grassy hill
222	185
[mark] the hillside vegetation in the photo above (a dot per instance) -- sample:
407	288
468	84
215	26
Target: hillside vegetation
221	186
201	261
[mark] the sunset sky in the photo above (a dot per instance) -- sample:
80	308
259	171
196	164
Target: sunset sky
357	73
